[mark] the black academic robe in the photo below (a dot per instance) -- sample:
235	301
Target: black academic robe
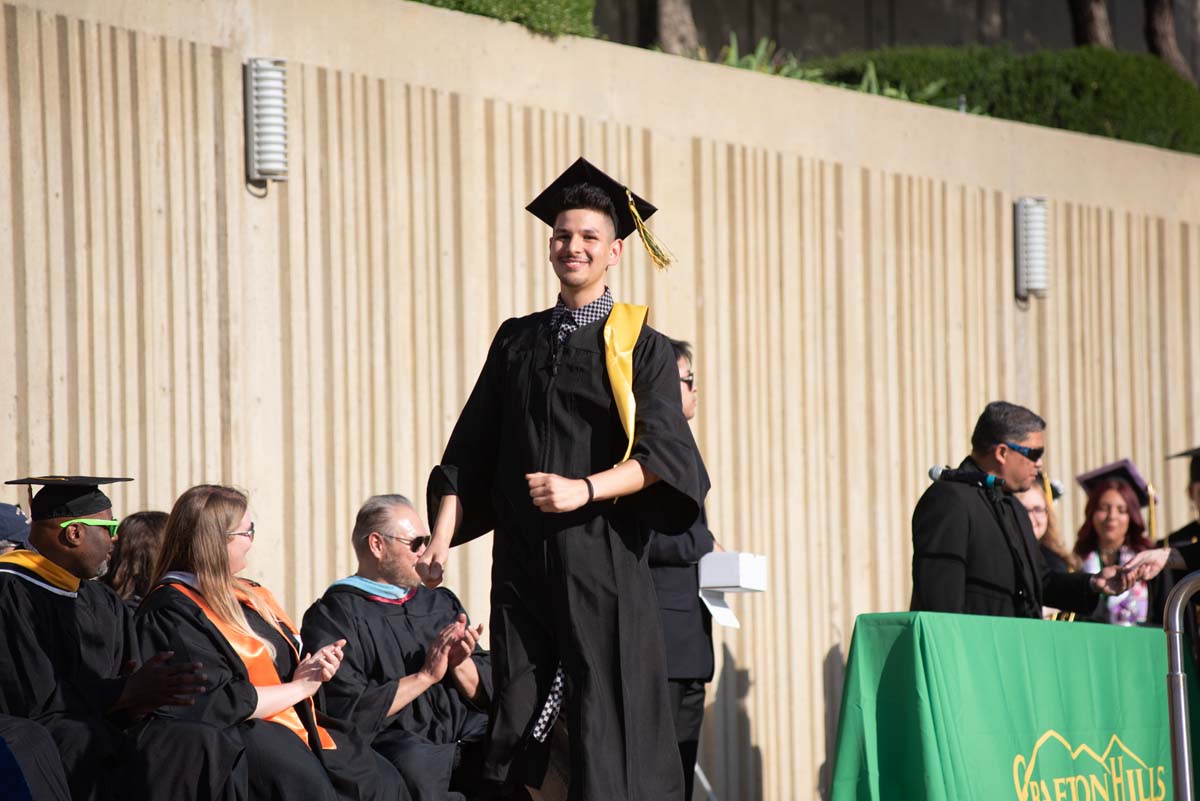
63	656
30	767
686	623
386	641
574	587
974	551
279	766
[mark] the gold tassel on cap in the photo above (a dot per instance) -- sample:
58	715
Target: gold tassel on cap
660	254
1046	488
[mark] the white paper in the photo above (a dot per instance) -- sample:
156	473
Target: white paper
721	613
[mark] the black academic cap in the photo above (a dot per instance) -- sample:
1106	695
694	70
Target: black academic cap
67	496
1194	467
632	211
1121	470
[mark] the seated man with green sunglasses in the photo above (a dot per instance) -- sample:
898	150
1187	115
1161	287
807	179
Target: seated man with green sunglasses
69	660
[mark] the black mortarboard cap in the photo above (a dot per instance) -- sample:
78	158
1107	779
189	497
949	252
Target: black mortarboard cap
1121	470
67	496
1194	466
632	211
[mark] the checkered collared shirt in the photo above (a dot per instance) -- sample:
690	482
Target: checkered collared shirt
564	320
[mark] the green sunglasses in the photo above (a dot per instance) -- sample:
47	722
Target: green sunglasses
111	525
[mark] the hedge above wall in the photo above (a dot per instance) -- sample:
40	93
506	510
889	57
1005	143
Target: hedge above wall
1093	90
551	17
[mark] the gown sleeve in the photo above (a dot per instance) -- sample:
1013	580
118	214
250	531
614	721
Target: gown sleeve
27	677
175	624
682	549
663	442
468	466
350	696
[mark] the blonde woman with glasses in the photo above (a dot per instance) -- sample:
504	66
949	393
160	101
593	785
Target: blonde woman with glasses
260	682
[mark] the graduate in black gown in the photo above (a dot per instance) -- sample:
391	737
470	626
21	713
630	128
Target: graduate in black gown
259	691
413	681
564	395
66	654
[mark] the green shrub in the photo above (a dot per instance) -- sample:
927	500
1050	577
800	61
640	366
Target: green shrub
552	17
1128	96
1092	90
973	72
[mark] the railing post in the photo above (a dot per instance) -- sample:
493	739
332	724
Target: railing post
1177	702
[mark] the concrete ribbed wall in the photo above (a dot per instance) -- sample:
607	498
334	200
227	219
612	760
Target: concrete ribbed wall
845	272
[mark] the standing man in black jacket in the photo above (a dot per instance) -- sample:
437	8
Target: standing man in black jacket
973	548
686	624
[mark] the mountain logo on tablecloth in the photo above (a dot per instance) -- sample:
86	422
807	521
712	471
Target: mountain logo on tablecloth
1057	771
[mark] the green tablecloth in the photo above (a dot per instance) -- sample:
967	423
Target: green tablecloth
958	707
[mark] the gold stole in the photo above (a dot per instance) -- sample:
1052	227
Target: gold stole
621	333
254	655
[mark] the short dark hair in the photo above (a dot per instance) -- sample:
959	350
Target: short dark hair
375	515
1004	422
588	196
683	349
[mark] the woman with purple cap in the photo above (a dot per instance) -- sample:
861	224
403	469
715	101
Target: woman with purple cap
1113	532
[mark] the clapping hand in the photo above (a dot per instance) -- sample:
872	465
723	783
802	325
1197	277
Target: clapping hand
157	683
321	666
462	649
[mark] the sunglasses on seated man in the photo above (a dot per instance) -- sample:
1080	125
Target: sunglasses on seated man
416	543
111	525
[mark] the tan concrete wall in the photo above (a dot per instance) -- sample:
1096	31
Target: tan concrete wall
845	274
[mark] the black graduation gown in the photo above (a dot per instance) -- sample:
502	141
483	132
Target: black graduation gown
386	641
279	766
974	551
686	623
61	665
574	587
30	767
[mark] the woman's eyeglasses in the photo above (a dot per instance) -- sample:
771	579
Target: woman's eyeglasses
248	533
689	379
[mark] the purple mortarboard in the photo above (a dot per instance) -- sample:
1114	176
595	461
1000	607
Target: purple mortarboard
1121	470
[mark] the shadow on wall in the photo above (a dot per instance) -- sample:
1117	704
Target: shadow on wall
735	765
833	675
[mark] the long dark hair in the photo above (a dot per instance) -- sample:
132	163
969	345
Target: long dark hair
139	539
1088	539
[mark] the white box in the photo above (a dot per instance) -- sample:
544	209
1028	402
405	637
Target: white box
730	571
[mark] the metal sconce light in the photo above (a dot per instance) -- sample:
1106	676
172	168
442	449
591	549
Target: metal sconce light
265	81
1031	248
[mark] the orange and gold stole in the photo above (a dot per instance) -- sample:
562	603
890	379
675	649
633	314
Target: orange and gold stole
254	655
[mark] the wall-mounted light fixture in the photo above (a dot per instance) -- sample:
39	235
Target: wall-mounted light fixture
265	81
1031	248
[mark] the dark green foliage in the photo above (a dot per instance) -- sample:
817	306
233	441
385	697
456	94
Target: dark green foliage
970	71
1092	90
1128	96
551	17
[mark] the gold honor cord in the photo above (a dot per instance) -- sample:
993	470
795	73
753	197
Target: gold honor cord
660	254
621	333
1047	489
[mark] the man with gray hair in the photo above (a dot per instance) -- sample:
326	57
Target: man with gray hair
973	545
414	682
